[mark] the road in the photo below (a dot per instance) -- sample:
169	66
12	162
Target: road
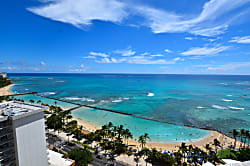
66	147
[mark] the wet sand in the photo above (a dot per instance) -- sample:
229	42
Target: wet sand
6	90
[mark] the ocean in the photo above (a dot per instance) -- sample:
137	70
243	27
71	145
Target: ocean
219	102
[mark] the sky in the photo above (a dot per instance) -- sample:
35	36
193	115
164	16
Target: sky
125	36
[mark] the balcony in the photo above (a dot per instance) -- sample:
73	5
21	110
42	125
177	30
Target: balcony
5	130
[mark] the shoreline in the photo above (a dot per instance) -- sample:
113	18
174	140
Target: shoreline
6	90
170	146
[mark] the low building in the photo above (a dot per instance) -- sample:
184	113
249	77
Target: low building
57	159
22	134
3	75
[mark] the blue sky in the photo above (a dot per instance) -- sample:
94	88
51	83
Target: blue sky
116	36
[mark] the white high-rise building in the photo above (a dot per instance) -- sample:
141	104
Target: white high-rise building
22	134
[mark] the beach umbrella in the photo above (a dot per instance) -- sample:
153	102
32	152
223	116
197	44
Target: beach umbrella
165	151
171	153
188	160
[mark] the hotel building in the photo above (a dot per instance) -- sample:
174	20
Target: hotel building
22	135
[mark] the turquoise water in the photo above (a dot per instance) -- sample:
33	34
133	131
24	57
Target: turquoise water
218	102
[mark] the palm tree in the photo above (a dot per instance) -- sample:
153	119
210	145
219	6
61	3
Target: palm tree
142	141
120	132
32	101
207	147
216	143
246	136
127	134
183	148
235	134
68	117
146	136
242	133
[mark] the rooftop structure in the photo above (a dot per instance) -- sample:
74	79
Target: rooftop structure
3	75
22	134
56	159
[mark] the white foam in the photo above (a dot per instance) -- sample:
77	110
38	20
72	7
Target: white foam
60	81
227	100
90	100
125	98
79	99
223	83
150	94
219	107
50	78
48	93
229	95
236	108
71	98
200	107
26	89
243	83
117	101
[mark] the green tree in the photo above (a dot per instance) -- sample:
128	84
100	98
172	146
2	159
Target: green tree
235	134
127	135
54	122
31	101
82	157
246	137
216	144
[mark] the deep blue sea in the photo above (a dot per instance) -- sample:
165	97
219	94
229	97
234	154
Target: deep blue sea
216	101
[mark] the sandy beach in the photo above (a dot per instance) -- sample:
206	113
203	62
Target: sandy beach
224	140
6	90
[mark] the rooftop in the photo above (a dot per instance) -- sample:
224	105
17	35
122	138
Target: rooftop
17	109
56	159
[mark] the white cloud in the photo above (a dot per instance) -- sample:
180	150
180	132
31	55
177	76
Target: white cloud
145	60
168	51
126	52
156	55
99	54
207	23
178	59
82	68
189	38
8	68
242	40
145	53
228	67
213	19
111	60
204	50
201	66
43	63
82	12
89	57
